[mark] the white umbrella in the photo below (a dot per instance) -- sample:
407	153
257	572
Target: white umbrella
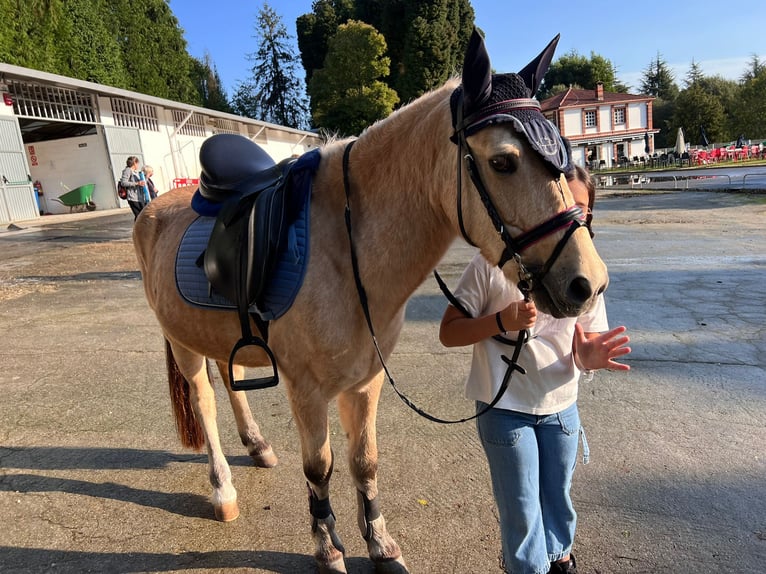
680	142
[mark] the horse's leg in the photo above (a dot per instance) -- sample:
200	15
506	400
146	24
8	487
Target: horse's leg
257	446
358	409
310	412
194	369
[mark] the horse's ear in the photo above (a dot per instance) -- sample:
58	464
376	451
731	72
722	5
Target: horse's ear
533	73
477	73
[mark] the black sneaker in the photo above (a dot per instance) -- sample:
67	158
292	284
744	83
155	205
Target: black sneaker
568	567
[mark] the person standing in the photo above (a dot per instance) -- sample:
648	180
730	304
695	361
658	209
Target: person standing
531	436
148	173
131	181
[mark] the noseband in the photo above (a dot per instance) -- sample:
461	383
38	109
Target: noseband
570	218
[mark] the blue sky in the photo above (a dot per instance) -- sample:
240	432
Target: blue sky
720	36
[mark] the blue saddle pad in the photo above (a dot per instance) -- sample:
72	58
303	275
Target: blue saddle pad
289	271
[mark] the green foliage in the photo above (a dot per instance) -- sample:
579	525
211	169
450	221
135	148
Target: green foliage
750	107
208	83
347	92
154	50
87	50
30	31
658	80
131	44
662	119
575	70
695	107
273	93
426	39
316	28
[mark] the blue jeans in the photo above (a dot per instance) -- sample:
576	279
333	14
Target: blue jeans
531	461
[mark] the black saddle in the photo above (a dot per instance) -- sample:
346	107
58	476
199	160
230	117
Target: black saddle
249	231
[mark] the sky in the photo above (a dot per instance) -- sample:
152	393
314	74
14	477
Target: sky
720	37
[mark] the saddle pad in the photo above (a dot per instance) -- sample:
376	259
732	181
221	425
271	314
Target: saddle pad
290	269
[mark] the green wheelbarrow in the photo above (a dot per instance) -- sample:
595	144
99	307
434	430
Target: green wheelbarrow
78	199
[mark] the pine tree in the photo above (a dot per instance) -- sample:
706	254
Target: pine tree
273	93
658	80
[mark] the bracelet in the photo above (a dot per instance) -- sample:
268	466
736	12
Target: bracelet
500	323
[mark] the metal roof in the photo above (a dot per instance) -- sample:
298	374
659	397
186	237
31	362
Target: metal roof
18	72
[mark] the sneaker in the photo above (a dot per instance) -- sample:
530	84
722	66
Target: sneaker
568	567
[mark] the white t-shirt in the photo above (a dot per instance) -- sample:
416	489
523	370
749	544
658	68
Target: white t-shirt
550	383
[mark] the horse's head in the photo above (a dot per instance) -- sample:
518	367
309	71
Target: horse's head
513	199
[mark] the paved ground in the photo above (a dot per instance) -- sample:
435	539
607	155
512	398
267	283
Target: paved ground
92	478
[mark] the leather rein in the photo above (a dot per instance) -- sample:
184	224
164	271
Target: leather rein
570	218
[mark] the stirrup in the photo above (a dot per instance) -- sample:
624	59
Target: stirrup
258	382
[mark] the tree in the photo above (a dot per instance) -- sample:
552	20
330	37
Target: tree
316	28
749	107
658	80
694	75
575	70
208	82
153	49
273	93
426	39
347	92
86	47
756	67
694	107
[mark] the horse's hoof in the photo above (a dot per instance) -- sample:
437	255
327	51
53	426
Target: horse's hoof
265	459
393	566
227	511
337	566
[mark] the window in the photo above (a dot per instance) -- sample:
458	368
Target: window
42	101
189	124
128	113
223	126
619	116
590	119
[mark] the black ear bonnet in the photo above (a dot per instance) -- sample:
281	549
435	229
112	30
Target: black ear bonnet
503	98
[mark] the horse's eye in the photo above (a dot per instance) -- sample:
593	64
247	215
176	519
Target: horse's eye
503	164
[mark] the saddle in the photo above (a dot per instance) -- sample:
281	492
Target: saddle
251	196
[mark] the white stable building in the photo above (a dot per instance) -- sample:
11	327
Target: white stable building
58	133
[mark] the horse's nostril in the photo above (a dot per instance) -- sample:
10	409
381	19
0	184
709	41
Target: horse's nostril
580	290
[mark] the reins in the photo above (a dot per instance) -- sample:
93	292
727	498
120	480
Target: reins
569	219
518	343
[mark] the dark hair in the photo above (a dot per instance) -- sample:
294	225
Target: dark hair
581	174
131	160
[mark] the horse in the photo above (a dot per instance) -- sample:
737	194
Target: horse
473	157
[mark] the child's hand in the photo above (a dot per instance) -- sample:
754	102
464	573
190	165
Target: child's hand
519	315
600	351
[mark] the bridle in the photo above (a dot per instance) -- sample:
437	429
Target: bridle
570	219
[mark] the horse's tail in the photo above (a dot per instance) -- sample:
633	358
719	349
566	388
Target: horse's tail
189	430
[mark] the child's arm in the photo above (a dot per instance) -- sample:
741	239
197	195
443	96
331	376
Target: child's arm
457	330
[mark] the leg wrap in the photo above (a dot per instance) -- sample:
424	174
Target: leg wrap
319	509
371	512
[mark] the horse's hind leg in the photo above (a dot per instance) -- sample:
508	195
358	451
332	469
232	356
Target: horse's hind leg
310	412
358	412
257	447
193	367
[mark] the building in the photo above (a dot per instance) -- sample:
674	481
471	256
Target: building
58	133
605	129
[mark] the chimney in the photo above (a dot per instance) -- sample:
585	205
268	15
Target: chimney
600	91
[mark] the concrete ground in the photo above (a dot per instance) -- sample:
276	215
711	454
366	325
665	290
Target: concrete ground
92	477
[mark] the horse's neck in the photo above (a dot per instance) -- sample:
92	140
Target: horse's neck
400	169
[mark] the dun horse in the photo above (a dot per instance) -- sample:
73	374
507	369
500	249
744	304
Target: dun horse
474	157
